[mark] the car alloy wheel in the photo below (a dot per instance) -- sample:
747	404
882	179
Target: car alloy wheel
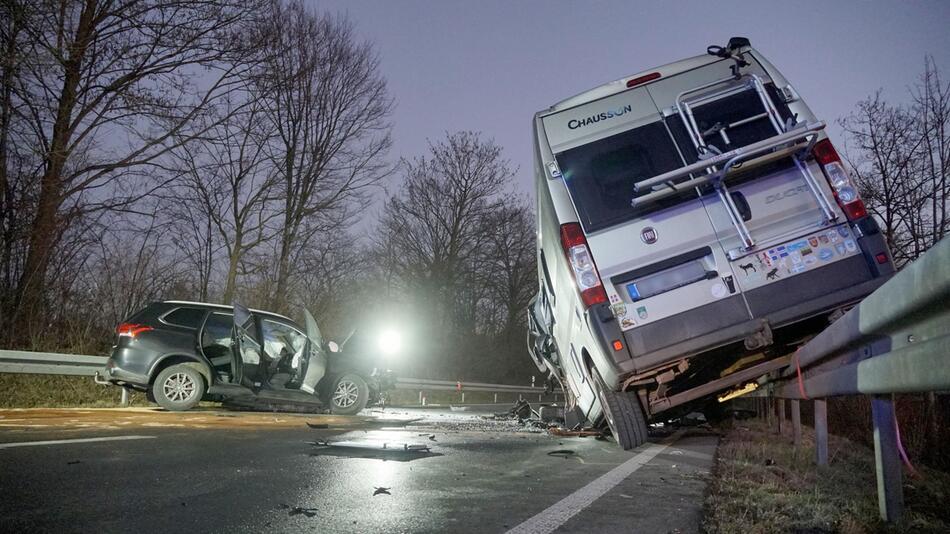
179	387
346	394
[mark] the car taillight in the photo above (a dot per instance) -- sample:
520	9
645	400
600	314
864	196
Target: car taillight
131	329
582	265
845	191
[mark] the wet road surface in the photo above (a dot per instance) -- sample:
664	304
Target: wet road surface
150	471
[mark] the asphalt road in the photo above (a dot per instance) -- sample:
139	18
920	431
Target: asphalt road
224	472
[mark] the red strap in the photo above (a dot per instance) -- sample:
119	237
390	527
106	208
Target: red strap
801	383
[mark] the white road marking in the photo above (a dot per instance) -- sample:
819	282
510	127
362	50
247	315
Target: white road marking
560	512
67	441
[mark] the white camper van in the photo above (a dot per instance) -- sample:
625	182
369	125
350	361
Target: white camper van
695	224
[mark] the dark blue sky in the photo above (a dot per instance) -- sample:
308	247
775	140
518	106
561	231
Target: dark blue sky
490	65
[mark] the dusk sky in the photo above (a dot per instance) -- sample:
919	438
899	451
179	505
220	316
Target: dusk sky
489	66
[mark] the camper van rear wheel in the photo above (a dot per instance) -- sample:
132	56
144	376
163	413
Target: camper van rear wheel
623	414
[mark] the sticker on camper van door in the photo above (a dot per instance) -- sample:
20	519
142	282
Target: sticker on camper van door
718	290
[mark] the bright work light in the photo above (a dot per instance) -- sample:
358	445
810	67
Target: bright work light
390	342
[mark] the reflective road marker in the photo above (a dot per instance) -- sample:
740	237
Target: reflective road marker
559	513
67	441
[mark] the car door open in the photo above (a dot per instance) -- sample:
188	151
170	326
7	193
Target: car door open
247	350
315	366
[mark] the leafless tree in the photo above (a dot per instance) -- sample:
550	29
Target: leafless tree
509	267
100	92
327	103
224	197
881	154
932	110
899	155
437	239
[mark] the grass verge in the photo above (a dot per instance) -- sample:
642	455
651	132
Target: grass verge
55	391
762	484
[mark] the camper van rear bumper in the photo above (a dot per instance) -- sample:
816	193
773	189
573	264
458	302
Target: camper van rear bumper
726	321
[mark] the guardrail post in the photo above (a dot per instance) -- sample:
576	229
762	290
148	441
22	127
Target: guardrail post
125	398
768	411
420	397
821	432
780	406
796	423
890	493
463	397
496	398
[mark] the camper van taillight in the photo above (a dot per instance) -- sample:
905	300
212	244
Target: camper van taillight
845	191
582	265
643	79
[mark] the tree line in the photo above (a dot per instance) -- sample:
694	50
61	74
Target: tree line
217	150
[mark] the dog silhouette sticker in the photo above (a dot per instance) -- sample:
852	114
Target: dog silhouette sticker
772	275
746	266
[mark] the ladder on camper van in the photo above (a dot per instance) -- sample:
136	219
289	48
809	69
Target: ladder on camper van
689	100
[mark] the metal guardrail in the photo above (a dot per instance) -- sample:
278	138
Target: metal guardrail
897	340
47	363
50	363
446	385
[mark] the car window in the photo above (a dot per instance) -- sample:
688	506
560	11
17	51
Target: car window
216	339
186	317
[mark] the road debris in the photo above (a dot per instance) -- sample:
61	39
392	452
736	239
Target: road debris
562	453
381	491
297	510
317	425
379	446
583	433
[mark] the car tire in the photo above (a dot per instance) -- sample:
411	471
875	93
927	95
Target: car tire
349	395
178	388
623	413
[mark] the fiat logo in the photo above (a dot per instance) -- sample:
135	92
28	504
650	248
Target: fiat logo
648	235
